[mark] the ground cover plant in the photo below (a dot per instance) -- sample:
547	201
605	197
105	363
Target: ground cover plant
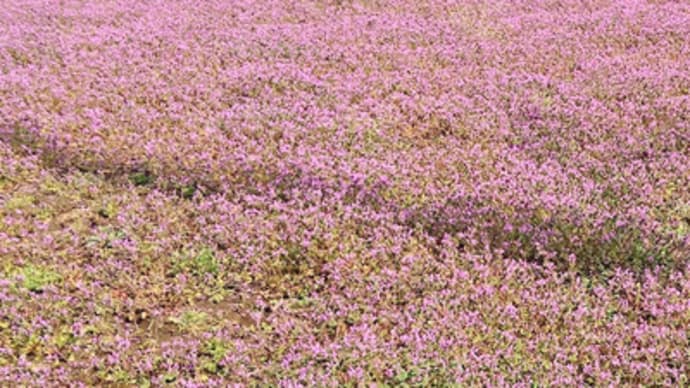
344	193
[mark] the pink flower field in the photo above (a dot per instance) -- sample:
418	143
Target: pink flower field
344	193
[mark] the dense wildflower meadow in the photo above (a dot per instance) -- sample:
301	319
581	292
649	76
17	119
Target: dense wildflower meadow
344	193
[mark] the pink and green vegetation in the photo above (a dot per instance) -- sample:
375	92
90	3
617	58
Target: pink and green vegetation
336	193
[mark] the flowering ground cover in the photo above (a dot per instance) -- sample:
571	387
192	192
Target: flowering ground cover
341	193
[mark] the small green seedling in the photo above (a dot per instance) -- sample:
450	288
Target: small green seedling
141	178
36	279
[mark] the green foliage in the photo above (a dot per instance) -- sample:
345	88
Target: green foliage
142	178
170	377
202	263
20	202
36	278
187	192
214	351
190	320
109	210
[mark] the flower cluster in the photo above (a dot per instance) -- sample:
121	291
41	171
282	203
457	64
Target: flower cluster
345	192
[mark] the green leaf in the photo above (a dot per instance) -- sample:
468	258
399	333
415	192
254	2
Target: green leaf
141	178
37	278
170	377
188	191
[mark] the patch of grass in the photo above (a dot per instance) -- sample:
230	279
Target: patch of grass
187	192
63	337
214	351
202	263
190	320
142	178
37	278
20	201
